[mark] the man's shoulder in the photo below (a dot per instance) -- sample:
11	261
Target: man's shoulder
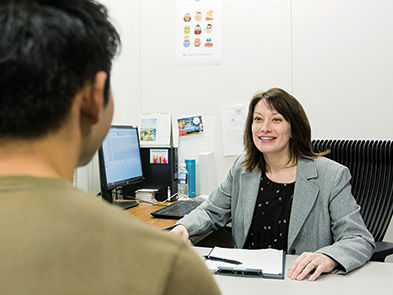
60	198
90	234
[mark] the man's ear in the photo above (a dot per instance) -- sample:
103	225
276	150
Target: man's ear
93	98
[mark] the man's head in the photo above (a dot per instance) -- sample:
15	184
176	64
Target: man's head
49	51
55	55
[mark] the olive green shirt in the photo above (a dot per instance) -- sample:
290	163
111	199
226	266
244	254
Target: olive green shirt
56	239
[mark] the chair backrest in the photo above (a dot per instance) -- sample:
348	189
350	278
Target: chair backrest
370	163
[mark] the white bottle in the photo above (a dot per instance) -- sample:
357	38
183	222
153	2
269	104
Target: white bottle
182	181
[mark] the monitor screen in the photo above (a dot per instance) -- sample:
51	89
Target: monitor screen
120	158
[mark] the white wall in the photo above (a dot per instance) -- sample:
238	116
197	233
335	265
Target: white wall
256	55
125	79
335	56
343	66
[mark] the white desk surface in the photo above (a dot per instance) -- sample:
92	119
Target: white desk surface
372	278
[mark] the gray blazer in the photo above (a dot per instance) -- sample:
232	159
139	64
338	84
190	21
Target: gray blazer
324	218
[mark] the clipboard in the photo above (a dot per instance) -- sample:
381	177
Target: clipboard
260	263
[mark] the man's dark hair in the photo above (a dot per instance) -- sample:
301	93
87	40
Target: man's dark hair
49	49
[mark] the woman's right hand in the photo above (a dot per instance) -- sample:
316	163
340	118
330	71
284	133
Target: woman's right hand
180	230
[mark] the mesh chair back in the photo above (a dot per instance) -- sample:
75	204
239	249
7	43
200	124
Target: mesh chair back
370	163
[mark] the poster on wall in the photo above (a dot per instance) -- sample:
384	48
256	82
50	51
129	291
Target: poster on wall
190	125
198	32
233	119
155	129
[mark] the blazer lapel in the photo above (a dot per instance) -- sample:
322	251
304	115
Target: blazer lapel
305	194
248	194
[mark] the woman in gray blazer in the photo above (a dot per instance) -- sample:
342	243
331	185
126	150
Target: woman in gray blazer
280	194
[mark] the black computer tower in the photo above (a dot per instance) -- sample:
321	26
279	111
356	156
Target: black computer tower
157	175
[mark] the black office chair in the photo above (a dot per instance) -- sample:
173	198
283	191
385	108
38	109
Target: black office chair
370	163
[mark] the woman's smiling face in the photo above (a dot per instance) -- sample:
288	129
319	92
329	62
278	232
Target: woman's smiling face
271	132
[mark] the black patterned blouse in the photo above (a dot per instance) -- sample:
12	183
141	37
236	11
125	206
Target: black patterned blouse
269	226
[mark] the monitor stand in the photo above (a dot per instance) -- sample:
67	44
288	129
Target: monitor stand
126	204
122	203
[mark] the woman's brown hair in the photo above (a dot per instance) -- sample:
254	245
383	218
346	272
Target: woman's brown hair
293	112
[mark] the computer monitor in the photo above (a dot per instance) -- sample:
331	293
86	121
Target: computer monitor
119	160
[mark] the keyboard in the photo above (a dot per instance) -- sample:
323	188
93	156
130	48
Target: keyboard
176	210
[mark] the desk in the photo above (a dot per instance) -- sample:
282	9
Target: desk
373	278
142	212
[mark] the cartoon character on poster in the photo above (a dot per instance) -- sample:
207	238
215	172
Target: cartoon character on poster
197	42
209	29
198	16
209	15
198	30
187	17
181	124
186	42
187	30
208	42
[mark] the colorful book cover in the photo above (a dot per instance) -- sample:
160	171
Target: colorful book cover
159	156
190	125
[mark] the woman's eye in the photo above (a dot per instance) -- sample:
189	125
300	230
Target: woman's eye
257	119
277	119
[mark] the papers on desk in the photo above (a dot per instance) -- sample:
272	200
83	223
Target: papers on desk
266	263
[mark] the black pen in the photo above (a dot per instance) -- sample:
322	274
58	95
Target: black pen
209	257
